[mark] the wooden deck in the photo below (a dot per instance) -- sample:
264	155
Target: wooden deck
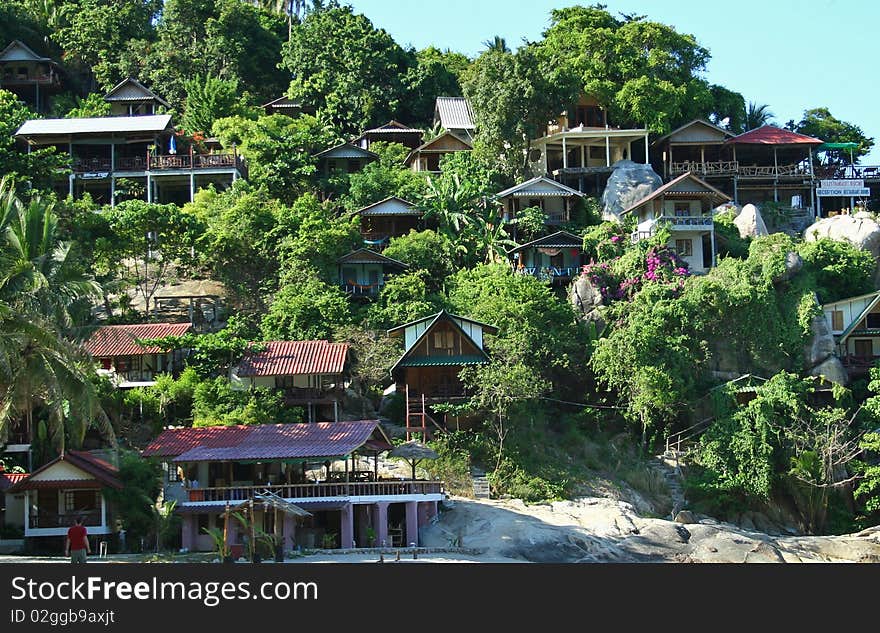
319	490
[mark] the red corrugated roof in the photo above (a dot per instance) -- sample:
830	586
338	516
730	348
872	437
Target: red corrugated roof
120	340
289	358
10	479
173	442
772	135
288	441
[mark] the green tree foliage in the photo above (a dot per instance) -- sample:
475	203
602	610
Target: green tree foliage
384	178
730	106
652	79
45	380
535	327
240	243
93	105
279	149
514	95
727	238
346	68
424	250
305	309
217	402
208	99
95	33
134	503
435	74
840	269
660	350
37	167
821	124
371	353
228	39
404	298
155	240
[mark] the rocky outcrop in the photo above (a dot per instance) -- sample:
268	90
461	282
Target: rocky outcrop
793	265
587	300
628	183
860	230
750	223
831	369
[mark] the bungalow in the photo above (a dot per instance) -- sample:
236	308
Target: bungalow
129	363
391	132
579	149
684	205
31	77
310	373
103	150
345	158
52	497
328	470
131	98
455	115
286	106
553	198
774	164
855	324
362	273
697	147
426	157
436	349
557	257
391	217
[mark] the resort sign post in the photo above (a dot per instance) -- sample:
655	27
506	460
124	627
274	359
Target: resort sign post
851	188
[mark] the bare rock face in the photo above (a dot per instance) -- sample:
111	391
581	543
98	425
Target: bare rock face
831	369
822	347
860	230
750	223
586	299
629	183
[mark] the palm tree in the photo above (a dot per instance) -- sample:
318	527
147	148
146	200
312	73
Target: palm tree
492	240
497	44
757	115
39	367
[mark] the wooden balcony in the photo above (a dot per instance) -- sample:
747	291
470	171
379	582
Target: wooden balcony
735	168
324	490
167	162
709	168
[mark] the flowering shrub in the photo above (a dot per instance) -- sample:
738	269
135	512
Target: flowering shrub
618	280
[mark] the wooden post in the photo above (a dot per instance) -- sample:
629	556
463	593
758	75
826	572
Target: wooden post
225	531
607	151
252	528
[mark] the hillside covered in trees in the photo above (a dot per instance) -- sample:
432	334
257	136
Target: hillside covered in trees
568	396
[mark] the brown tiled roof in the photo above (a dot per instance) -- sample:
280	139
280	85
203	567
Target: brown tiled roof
103	473
121	340
287	441
290	358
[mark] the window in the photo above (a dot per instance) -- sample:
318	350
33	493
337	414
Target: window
444	340
685	248
837	320
203	523
864	348
283	382
682	209
171	471
349	275
872	321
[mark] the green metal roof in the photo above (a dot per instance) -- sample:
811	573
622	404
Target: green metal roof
443	361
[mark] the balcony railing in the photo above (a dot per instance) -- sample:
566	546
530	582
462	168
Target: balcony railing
44	519
319	490
158	163
735	168
362	289
675	223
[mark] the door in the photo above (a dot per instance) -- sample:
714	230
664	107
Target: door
864	348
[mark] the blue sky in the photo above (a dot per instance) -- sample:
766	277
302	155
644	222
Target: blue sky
792	55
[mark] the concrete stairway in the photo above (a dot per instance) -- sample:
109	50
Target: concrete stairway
481	483
669	467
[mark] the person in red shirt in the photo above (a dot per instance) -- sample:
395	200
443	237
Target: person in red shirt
77	542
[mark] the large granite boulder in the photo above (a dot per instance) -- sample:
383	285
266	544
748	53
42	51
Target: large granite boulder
860	230
831	369
822	346
628	183
586	300
750	223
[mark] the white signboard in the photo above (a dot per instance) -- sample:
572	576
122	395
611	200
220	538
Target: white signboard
94	175
847	192
844	183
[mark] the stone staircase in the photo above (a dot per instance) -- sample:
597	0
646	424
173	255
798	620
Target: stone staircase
669	467
480	482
